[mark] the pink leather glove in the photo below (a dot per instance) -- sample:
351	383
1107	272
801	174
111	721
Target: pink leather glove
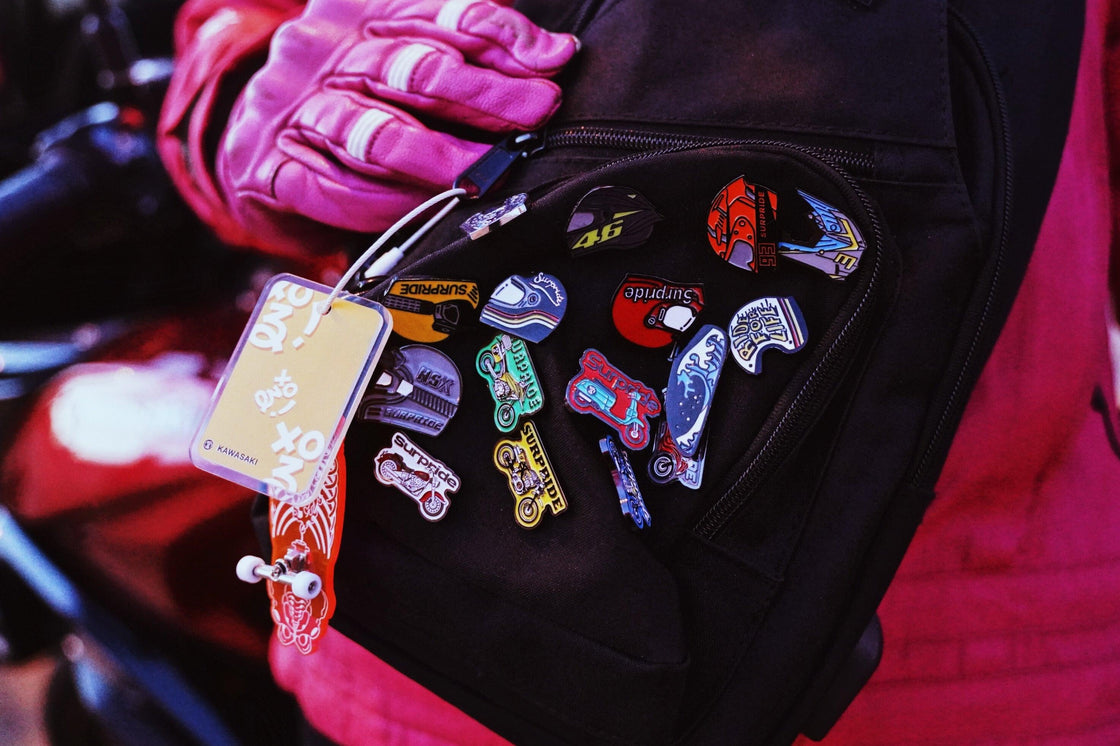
327	131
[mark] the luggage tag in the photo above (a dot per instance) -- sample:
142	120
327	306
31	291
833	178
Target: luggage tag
692	387
821	237
527	307
416	387
742	225
625	483
421	477
764	324
278	414
429	310
605	392
667	463
530	476
305	543
652	312
508	370
610	217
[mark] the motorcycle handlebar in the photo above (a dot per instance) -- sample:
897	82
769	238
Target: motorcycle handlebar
85	158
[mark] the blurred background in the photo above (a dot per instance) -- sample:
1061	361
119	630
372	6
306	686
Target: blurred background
121	618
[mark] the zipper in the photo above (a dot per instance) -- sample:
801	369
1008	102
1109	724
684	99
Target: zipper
954	405
804	405
648	142
801	408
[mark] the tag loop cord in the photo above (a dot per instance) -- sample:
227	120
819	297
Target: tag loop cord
451	196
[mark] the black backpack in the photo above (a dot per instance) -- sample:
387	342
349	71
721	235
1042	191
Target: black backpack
745	611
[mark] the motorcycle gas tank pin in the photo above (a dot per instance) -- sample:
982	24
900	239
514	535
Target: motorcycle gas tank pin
605	392
820	236
508	370
421	477
692	387
416	387
527	307
630	498
610	217
652	312
530	476
481	223
427	309
763	324
742	225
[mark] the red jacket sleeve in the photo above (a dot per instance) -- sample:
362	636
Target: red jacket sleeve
218	45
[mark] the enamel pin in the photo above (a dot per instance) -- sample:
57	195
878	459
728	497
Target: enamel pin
529	308
429	310
530	477
424	479
481	223
508	370
692	387
667	463
652	312
416	387
629	495
602	390
610	217
742	229
829	240
763	324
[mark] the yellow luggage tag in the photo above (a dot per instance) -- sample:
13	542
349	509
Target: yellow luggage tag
279	413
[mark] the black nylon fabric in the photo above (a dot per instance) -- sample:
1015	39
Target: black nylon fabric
723	621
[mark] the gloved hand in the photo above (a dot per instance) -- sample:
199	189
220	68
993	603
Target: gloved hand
328	130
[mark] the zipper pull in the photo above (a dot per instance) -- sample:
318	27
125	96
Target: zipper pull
492	166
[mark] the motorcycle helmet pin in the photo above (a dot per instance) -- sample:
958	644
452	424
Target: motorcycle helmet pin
527	307
625	483
820	236
481	223
424	479
429	310
652	312
416	387
762	324
610	217
508	370
742	226
605	392
530	477
692	387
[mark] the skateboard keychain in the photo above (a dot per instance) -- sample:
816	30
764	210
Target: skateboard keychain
305	543
275	424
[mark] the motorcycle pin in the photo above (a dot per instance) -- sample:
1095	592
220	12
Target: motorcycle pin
530	476
508	370
424	479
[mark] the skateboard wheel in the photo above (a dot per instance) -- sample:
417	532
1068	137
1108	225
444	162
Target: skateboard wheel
247	568
306	585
